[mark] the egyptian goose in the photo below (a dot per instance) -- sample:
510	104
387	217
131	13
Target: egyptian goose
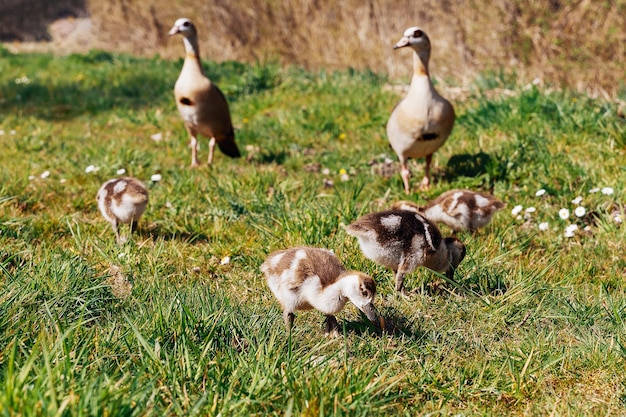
423	120
122	200
303	278
403	241
458	209
201	104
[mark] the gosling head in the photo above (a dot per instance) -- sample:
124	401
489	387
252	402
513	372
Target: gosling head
360	289
456	253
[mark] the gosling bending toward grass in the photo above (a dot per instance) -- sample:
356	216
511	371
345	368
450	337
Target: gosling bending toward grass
304	278
403	241
122	200
458	209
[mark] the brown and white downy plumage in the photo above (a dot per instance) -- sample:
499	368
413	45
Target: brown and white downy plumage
423	120
403	241
458	209
201	104
304	278
122	201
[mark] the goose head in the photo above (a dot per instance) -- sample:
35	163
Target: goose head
418	40
360	289
185	27
414	37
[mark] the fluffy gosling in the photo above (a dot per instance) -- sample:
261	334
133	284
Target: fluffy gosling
403	241
304	278
122	200
460	210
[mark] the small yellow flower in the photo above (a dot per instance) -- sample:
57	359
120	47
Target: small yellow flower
342	171
342	136
574	100
245	120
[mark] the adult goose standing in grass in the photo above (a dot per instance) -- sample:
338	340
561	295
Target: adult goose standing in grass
423	120
304	278
201	104
403	241
122	201
458	209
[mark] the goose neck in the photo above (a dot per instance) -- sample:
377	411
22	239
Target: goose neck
192	52
420	64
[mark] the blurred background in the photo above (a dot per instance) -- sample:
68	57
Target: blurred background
579	44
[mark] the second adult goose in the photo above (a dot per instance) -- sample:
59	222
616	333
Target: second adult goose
423	120
201	104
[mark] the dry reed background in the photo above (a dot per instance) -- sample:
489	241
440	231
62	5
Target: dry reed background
578	44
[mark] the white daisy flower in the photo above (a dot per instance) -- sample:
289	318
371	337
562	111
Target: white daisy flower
91	168
564	213
225	260
540	192
531	210
517	210
121	171
45	174
577	200
544	226
607	191
580	211
618	219
155	178
326	171
570	230
345	177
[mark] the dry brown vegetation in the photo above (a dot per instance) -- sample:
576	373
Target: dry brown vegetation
577	43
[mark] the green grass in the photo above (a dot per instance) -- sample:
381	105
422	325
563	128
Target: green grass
534	323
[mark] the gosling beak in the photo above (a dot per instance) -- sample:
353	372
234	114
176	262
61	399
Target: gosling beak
450	273
174	31
370	312
402	43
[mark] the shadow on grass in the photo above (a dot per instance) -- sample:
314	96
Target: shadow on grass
157	233
478	284
466	165
65	101
263	158
395	325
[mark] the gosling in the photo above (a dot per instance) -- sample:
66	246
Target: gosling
122	200
304	278
460	210
403	241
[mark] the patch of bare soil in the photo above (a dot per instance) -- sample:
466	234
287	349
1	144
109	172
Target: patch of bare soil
67	35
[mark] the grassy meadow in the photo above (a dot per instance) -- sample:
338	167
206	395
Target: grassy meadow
179	321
